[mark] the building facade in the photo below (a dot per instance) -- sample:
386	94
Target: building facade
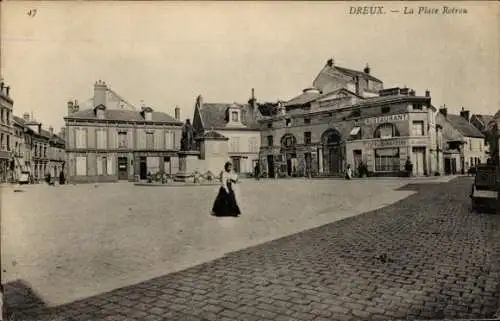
6	134
113	141
466	146
236	122
340	128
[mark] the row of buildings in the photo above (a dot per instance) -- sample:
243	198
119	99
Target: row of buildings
345	117
25	147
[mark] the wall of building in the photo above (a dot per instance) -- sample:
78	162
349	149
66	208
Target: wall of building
244	144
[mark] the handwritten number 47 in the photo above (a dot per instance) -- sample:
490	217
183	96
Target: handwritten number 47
31	13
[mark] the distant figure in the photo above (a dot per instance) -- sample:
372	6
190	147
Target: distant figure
225	204
348	172
257	171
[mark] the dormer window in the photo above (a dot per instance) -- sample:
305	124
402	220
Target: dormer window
147	113
234	116
99	111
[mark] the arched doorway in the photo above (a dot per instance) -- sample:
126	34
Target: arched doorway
332	152
289	151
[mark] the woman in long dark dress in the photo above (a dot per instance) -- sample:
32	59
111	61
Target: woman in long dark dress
225	204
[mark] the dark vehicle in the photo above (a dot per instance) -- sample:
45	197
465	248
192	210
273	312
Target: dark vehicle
484	194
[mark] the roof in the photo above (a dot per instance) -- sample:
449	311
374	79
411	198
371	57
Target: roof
303	98
268	109
463	126
214	135
497	116
213	115
483	119
354	73
123	115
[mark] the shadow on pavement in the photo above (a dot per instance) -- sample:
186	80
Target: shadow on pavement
21	300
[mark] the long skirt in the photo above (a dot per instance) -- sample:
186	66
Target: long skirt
225	204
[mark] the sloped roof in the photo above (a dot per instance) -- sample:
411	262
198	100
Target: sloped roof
354	73
19	120
463	126
303	98
214	135
123	115
213	115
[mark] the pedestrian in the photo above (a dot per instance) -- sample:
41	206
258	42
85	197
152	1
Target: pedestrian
257	171
348	172
225	204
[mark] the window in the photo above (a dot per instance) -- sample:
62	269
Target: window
386	130
355	133
307	138
81	137
417	128
270	141
307	120
385	109
417	107
288	122
150	141
122	140
471	161
234	116
235	144
270	125
81	166
169	139
252	145
109	166
8	142
101	165
481	146
470	144
387	160
355	113
101	135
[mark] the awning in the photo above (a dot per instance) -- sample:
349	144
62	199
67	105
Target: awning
355	131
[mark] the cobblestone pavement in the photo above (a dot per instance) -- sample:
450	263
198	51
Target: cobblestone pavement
426	256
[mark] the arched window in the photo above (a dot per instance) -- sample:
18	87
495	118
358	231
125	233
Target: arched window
331	137
288	141
386	130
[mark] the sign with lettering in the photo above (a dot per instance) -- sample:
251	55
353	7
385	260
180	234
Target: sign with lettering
386	119
387	143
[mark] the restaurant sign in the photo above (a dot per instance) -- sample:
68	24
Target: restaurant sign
386	119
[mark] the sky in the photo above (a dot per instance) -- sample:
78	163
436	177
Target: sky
167	53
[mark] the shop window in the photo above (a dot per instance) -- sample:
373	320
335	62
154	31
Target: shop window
417	128
386	130
387	160
307	138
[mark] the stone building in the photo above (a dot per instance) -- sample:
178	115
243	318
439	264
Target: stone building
465	143
236	122
324	129
23	147
6	133
111	140
40	141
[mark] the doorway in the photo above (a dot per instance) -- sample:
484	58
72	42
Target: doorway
236	160
270	166
166	165
418	161
308	159
357	157
122	168
143	168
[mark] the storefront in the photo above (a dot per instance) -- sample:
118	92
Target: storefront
388	156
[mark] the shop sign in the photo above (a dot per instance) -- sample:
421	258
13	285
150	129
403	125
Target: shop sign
386	119
387	143
419	141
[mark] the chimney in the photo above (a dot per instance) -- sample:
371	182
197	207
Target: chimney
70	108
177	113
444	111
427	93
7	90
76	107
39	128
465	114
26	116
51	130
252	101
148	113
100	89
367	69
330	62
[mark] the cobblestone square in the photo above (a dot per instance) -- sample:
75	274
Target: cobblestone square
417	252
